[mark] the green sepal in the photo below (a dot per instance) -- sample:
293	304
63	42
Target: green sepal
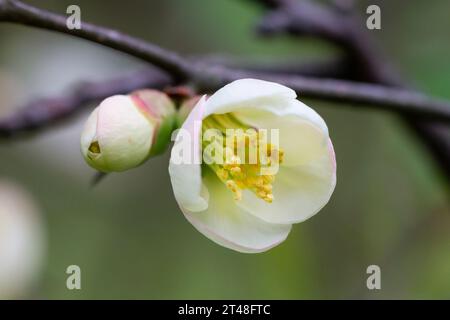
163	138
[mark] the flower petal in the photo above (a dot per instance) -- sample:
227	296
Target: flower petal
303	135
246	92
264	112
186	177
299	192
232	227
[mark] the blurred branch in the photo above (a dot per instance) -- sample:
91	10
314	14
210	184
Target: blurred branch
18	12
338	67
341	26
42	113
344	29
206	76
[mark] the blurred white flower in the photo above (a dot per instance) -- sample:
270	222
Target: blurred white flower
21	242
236	205
123	131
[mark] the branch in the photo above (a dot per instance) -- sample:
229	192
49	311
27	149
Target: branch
43	113
307	18
205	76
338	67
18	12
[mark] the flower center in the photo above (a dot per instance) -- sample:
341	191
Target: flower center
241	156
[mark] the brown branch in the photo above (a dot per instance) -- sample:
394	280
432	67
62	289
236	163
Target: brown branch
42	113
206	76
18	12
337	67
344	29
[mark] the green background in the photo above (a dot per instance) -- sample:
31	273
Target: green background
390	206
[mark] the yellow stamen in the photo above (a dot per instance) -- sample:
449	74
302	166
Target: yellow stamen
237	193
239	173
222	174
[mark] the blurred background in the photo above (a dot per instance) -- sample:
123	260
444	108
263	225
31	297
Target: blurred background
390	208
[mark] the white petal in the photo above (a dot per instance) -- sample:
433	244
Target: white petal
186	178
303	134
299	192
246	92
230	226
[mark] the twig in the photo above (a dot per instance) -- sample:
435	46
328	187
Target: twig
42	113
344	29
337	67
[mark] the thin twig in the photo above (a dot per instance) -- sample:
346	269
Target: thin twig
211	77
335	67
344	29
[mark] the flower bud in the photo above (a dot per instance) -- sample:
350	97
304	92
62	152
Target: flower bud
125	130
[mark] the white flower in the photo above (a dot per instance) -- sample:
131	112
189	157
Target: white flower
123	131
21	242
246	211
